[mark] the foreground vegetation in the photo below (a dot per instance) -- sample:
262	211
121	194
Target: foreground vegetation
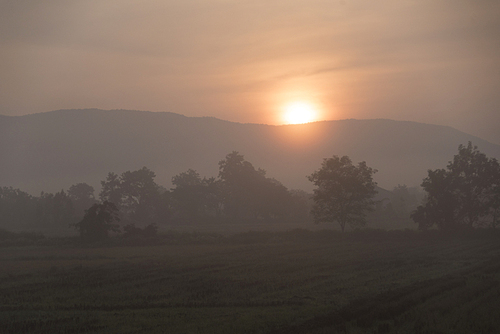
257	282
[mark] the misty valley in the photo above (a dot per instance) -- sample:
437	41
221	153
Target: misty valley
232	249
272	167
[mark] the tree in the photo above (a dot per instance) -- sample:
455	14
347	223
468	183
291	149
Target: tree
189	195
344	192
464	195
240	182
135	194
55	210
472	176
82	196
111	189
273	200
17	208
247	194
213	196
163	205
440	202
98	221
139	195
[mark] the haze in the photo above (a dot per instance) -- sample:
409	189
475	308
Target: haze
426	61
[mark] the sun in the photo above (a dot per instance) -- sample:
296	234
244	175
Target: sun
299	112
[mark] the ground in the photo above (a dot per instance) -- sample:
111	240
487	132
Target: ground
262	282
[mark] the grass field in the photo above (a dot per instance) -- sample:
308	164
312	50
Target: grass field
261	282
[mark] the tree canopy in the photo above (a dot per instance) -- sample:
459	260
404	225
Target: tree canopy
344	191
464	195
195	198
82	197
247	194
135	193
98	221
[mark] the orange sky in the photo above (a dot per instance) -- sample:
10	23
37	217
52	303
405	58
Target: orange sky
427	61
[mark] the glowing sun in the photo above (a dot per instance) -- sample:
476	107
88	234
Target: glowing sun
299	112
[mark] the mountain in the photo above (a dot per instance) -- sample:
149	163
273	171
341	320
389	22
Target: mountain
53	150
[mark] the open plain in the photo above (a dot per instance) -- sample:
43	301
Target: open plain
257	282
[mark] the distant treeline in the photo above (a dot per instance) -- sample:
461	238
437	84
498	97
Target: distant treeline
240	193
464	196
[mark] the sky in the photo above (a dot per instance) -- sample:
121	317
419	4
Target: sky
430	61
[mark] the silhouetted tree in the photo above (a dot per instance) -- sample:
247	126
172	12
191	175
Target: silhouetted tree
82	196
188	195
213	196
440	203
63	209
139	195
135	194
17	209
246	192
239	182
194	197
475	176
344	192
98	221
54	210
464	195
273	200
163	206
111	189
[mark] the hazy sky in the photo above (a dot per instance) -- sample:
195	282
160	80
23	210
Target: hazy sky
427	61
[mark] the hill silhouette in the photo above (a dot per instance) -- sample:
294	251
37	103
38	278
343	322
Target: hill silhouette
53	150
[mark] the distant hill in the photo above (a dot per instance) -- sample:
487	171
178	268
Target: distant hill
53	150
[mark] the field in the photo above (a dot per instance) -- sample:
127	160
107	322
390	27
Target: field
257	282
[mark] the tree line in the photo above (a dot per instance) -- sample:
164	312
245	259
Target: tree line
240	193
464	195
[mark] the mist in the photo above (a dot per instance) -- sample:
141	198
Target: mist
249	167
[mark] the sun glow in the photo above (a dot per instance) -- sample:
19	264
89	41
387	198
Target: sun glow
299	112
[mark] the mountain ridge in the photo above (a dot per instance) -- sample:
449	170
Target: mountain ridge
53	150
